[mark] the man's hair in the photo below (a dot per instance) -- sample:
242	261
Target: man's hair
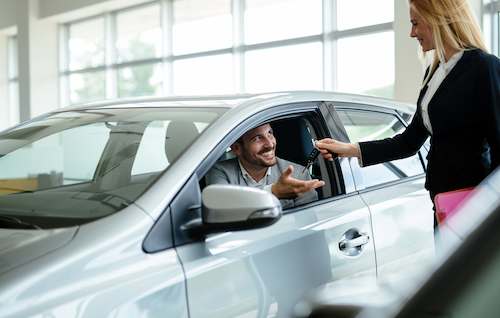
240	139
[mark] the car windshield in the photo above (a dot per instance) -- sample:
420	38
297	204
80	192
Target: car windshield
73	167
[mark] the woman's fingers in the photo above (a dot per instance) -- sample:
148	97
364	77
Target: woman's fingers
336	148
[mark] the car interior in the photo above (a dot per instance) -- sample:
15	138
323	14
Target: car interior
175	146
295	137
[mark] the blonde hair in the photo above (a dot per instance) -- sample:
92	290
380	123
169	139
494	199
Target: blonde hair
453	26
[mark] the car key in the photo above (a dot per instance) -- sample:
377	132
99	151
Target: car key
310	159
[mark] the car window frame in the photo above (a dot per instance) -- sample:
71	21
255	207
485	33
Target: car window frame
356	169
306	110
191	188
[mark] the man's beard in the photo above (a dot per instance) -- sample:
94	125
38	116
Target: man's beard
259	161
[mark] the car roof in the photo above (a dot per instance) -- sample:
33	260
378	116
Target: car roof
238	100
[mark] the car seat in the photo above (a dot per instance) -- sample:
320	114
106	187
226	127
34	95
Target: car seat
294	143
180	134
293	140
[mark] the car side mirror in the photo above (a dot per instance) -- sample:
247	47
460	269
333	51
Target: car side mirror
235	208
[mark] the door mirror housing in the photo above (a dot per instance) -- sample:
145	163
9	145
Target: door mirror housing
227	204
235	208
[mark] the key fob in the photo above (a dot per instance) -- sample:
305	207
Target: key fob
312	156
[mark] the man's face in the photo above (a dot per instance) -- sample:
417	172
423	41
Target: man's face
257	147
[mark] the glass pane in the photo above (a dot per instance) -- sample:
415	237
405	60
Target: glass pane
89	155
204	75
86	44
87	87
498	34
12	57
142	80
358	13
284	68
270	20
363	67
13	103
378	174
410	166
148	158
366	126
179	135
139	34
201	25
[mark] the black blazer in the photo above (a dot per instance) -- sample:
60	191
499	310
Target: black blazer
465	118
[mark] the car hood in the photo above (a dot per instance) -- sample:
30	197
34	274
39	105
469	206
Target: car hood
18	247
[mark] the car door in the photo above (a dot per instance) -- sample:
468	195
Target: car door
264	272
400	207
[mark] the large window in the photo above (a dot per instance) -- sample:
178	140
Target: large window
12	65
371	73
178	47
491	24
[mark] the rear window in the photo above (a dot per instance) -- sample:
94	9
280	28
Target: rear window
368	125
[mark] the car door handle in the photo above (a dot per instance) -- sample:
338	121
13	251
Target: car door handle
359	241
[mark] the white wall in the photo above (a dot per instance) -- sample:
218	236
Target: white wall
7	13
4	102
66	10
408	66
44	67
38	61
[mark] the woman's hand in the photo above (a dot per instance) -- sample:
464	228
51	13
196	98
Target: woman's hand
331	147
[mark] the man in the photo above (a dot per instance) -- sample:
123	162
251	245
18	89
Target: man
257	166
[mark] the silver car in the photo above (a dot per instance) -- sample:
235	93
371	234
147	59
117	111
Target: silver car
105	212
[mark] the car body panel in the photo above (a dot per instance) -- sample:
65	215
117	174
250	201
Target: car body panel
264	272
94	276
29	245
402	219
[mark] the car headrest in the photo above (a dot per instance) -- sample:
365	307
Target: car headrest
293	140
180	134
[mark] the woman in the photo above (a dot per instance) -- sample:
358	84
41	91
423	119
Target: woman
458	106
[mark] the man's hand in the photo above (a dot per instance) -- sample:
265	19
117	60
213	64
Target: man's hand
287	187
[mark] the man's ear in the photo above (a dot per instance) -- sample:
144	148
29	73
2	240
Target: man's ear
236	148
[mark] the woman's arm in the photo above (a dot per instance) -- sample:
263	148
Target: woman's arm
490	97
400	146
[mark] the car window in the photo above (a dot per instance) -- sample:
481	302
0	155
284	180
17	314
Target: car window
148	159
368	125
293	145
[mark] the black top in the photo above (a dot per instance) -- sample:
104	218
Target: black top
465	118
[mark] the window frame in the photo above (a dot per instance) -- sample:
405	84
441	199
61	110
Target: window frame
13	80
192	188
314	119
357	170
328	37
491	24
311	111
